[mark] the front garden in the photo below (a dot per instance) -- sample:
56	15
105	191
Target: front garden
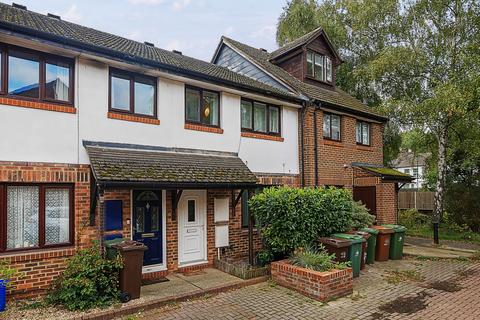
291	222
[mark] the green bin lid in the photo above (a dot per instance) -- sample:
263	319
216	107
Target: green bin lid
396	227
370	230
352	237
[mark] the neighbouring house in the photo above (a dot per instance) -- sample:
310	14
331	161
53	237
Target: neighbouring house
414	165
105	137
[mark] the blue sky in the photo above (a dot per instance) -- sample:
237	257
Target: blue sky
191	26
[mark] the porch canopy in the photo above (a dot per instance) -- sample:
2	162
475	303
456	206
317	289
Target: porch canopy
385	174
121	165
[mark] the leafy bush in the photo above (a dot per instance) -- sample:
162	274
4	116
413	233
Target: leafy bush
89	281
361	218
7	272
411	219
316	259
290	218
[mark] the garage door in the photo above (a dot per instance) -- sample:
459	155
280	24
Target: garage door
367	195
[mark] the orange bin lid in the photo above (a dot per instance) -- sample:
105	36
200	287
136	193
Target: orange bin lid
382	229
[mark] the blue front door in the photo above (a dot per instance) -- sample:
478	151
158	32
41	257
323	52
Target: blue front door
147	224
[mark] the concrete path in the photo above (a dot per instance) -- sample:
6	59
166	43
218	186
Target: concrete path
405	289
432	252
448	244
187	283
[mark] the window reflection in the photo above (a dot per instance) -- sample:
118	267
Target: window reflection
57	82
23	76
144	97
120	93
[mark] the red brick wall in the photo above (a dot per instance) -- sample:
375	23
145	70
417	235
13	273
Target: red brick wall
387	203
321	286
40	267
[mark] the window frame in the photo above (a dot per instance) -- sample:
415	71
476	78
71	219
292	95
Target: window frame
43	59
361	134
324	66
267	118
202	115
340	128
132	77
41	216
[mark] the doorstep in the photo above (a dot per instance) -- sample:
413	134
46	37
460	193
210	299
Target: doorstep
179	287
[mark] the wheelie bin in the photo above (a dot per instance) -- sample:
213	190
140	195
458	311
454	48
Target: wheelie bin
131	273
382	250
355	250
336	246
365	245
372	243
396	243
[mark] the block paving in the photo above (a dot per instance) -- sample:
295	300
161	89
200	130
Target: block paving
445	289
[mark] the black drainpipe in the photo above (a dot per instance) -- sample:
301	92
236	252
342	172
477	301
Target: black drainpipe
315	144
302	144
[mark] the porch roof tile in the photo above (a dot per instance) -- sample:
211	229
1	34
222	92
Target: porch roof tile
169	168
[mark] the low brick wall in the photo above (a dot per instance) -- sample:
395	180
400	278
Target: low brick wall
321	286
239	271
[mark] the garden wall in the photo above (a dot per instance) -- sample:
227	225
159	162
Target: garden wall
322	286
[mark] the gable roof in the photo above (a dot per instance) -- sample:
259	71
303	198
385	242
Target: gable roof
333	98
303	40
82	38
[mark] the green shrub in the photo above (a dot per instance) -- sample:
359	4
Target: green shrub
89	281
290	218
316	259
7	272
412	219
361	218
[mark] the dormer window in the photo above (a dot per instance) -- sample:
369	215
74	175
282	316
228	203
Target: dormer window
319	67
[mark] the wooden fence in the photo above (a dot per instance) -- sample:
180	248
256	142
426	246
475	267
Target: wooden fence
420	200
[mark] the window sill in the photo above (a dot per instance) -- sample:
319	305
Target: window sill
264	136
333	143
132	118
364	147
199	127
43	253
37	105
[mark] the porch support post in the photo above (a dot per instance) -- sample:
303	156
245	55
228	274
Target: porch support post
176	194
235	200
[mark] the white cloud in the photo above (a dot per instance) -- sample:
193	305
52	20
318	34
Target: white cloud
266	32
148	2
72	14
179	5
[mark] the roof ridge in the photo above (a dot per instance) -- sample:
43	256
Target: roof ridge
295	42
80	35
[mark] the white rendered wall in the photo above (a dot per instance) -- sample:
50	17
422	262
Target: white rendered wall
37	135
46	136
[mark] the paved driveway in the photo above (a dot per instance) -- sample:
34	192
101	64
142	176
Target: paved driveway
407	289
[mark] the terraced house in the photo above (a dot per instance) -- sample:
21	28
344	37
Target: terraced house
105	137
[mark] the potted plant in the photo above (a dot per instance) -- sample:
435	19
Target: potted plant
6	274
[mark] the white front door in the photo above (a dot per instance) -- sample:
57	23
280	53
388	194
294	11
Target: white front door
192	217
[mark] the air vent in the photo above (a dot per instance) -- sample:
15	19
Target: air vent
54	16
177	52
19	6
149	44
264	50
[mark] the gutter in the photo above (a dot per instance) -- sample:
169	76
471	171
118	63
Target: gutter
109	53
175	185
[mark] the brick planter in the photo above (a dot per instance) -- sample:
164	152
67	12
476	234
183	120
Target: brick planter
321	286
240	270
